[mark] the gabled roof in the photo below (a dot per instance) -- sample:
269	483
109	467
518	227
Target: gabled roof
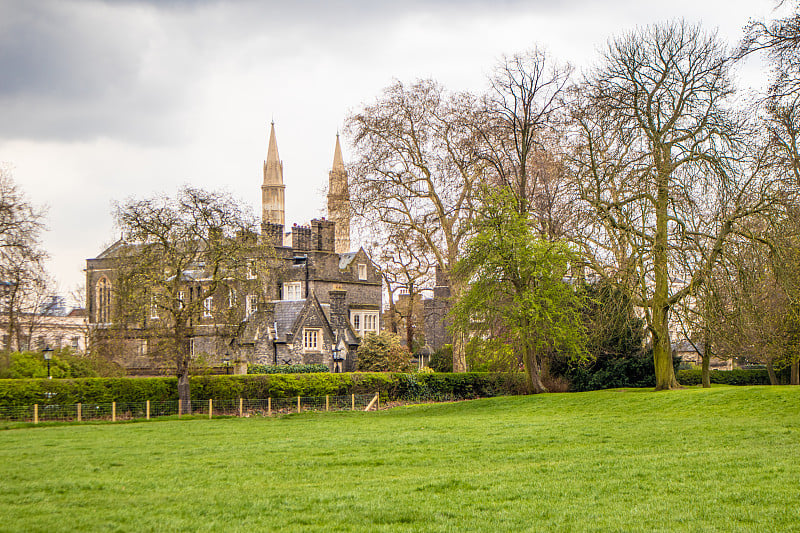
311	305
286	313
346	259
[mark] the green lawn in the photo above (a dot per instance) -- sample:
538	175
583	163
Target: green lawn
724	459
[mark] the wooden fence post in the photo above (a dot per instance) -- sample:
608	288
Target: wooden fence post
269	406
36	413
298	404
210	408
147	410
327	402
240	408
79	412
353	400
374	399
113	411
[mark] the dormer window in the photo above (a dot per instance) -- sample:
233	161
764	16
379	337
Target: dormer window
292	290
362	271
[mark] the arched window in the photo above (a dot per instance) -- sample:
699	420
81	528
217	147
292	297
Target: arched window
103	300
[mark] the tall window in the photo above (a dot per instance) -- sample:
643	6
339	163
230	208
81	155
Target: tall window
364	322
291	291
251	304
362	271
153	307
208	306
311	340
180	299
231	298
103	300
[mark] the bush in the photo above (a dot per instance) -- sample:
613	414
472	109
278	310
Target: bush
383	353
737	376
287	369
64	364
391	385
442	359
490	355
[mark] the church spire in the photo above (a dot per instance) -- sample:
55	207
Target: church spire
338	162
273	167
272	203
339	200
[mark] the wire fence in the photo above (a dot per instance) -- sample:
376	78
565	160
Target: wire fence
243	407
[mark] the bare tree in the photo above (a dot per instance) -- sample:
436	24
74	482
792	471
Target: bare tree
405	270
518	128
21	256
780	40
664	174
179	253
416	170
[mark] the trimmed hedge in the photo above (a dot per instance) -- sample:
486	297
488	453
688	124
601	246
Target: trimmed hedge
287	369
737	376
15	392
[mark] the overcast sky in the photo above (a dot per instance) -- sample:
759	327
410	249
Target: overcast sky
102	101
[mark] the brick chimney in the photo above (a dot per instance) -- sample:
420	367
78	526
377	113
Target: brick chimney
339	316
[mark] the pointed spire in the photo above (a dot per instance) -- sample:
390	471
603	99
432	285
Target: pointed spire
273	168
338	162
272	204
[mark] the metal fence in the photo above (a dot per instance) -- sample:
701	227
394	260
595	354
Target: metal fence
243	407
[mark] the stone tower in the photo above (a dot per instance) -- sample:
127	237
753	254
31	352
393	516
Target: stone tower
339	200
272	205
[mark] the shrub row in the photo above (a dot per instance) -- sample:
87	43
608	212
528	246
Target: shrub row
390	385
286	369
755	376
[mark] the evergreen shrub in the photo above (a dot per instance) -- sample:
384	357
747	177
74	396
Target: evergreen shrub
287	369
737	376
15	392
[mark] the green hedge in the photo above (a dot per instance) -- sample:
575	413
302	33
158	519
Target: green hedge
287	369
756	376
390	385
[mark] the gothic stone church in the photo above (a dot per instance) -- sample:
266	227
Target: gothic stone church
325	297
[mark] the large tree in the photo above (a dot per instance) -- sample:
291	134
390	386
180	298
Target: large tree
520	281
416	169
21	256
518	128
664	173
178	253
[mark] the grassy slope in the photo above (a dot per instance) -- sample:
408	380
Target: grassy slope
721	459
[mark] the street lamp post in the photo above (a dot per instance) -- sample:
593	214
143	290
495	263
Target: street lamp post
48	354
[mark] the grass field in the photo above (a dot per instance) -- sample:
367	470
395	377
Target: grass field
720	459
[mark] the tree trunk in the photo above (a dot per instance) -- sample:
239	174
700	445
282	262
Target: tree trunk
459	342
533	376
706	372
182	359
706	363
662	350
795	372
773	379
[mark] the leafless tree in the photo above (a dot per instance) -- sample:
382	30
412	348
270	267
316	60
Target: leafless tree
21	255
666	170
179	252
416	170
518	126
406	270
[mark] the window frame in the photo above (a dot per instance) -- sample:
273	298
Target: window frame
310	334
295	287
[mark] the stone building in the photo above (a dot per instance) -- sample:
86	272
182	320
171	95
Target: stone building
316	302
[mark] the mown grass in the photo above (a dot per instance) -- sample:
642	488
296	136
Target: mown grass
721	459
